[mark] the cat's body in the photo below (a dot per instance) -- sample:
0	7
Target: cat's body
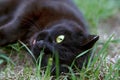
40	22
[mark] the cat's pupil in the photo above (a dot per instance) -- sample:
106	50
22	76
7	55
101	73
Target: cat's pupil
60	38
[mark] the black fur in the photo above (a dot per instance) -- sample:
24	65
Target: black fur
39	22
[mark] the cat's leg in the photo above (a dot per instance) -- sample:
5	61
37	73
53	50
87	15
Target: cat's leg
5	19
17	28
7	7
11	32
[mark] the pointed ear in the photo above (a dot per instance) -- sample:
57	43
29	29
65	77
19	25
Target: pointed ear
91	40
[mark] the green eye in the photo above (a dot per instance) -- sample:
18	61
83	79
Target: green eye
60	38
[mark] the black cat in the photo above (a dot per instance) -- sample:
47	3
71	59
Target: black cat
54	26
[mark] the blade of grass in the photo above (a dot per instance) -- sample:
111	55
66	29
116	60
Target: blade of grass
57	65
4	57
48	70
28	50
81	54
113	72
17	47
73	77
105	46
38	65
115	41
92	55
1	61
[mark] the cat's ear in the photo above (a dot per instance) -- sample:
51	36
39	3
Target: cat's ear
91	40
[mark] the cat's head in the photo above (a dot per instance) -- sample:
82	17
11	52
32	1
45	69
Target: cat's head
66	39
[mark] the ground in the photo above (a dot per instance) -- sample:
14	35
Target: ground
107	28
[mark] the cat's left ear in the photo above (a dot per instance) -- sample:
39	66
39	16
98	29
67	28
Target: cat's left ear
90	41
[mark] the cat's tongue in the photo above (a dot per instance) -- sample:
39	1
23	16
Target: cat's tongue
34	42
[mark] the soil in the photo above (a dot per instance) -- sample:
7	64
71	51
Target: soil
110	26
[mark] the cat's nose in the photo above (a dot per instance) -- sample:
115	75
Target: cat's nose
40	44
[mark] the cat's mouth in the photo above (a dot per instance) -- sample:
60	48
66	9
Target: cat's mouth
42	48
34	42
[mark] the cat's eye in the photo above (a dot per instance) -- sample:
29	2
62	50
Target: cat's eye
60	38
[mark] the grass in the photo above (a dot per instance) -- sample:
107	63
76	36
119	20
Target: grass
97	69
96	10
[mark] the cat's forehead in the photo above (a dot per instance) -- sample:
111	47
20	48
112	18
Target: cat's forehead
59	30
55	31
62	28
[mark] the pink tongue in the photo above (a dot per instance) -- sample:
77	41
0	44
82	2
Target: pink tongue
34	41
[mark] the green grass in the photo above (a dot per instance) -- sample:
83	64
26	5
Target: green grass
97	69
96	10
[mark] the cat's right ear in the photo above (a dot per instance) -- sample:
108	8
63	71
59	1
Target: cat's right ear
90	41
